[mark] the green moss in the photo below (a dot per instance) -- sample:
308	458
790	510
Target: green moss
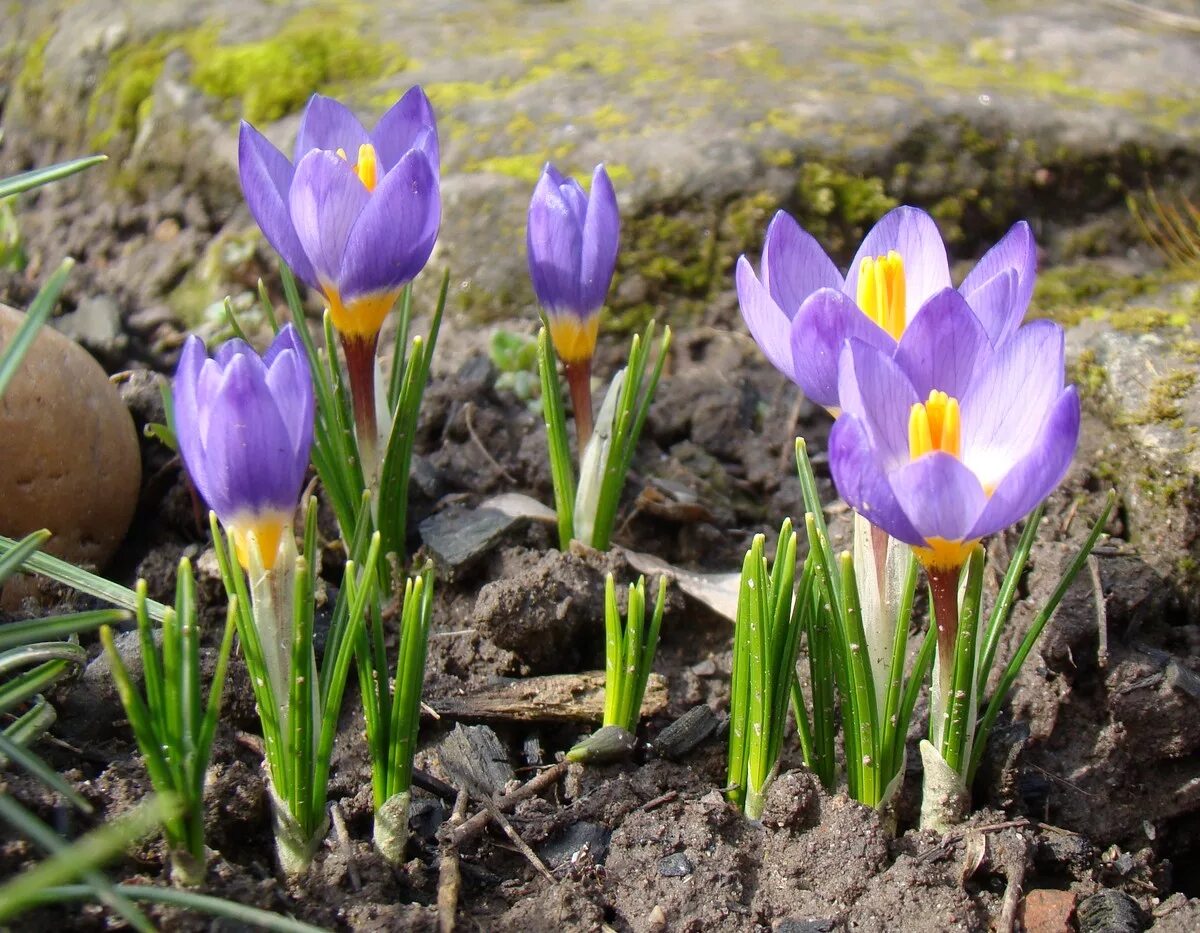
124	90
1163	405
1086	283
268	79
31	78
1087	373
837	206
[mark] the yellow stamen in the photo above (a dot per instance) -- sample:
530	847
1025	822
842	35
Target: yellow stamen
574	340
935	425
367	166
265	530
361	317
881	291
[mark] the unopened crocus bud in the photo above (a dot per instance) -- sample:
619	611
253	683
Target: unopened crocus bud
572	245
245	429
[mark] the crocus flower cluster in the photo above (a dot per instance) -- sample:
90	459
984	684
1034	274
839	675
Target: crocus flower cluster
955	420
357	213
245	428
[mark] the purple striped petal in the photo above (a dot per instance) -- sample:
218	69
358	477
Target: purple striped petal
266	177
874	389
826	319
1017	251
768	325
1006	405
794	265
250	459
326	200
601	234
941	497
409	124
330	125
290	381
913	234
862	481
393	236
187	409
994	303
554	241
1034	477
944	346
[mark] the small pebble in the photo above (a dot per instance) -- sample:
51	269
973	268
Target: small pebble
676	865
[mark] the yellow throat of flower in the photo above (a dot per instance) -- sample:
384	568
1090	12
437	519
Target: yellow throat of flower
265	530
361	317
881	291
367	166
574	340
935	425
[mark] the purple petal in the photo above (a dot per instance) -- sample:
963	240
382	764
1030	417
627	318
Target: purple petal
601	234
1006	405
290	382
794	265
862	481
994	303
326	199
187	411
409	124
288	338
944	346
266	177
328	124
231	348
913	234
393	237
826	319
554	241
874	389
768	325
1034	477
941	497
1015	251
251	461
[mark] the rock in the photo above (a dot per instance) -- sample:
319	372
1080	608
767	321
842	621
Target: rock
687	732
76	468
1047	911
96	324
676	865
567	846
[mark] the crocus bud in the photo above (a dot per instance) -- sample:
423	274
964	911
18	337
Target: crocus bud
572	245
245	429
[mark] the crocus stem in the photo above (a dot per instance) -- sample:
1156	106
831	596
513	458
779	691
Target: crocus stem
579	381
879	546
360	366
943	591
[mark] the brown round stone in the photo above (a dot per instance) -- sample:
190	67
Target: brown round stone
69	458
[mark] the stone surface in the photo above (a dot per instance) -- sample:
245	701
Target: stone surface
1047	911
69	459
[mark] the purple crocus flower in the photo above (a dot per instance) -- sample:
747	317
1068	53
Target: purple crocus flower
572	245
357	214
244	424
941	469
801	311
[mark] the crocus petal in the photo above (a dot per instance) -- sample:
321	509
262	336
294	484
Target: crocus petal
941	497
554	242
231	348
1015	251
326	200
266	177
575	198
768	325
862	481
1006	404
826	319
409	124
601	234
994	303
290	381
1034	477
187	412
913	234
873	388
329	124
249	451
794	265
393	237
944	346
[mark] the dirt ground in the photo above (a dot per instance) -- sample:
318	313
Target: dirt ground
1088	802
